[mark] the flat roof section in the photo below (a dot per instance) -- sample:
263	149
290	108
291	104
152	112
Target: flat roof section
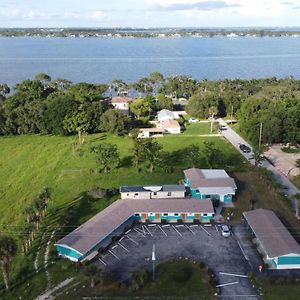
272	234
89	234
154	188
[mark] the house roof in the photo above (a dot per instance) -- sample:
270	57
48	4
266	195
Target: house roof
162	188
120	100
167	114
272	234
89	234
169	124
160	130
202	178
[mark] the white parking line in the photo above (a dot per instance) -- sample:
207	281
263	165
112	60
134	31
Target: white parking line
102	261
135	229
188	227
166	225
121	239
205	230
195	225
114	247
176	230
151	225
123	247
235	275
162	230
148	230
132	240
226	284
113	254
127	231
181	225
217	229
242	250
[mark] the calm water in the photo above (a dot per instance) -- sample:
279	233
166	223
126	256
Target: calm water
104	59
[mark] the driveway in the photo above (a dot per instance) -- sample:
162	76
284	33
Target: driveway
197	242
236	140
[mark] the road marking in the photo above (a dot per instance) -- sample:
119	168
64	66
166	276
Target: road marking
207	225
179	225
226	284
237	296
114	247
148	230
235	275
217	229
151	225
162	230
113	254
127	231
135	229
205	230
188	227
167	225
122	238
242	250
132	240
194	225
102	261
123	247
176	230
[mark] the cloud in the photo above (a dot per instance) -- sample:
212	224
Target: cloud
204	6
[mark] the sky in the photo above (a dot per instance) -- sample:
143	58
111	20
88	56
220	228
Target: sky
149	13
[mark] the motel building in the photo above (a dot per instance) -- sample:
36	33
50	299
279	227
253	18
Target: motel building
276	245
85	242
214	184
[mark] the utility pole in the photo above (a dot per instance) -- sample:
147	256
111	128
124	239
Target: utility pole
153	262
231	117
260	136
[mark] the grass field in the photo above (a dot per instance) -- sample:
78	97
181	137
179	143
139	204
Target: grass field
199	128
190	280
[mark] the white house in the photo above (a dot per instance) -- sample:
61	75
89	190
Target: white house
121	103
165	114
150	132
170	126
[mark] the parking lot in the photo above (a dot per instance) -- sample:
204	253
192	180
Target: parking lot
198	242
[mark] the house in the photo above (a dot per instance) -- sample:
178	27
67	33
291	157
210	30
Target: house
170	126
87	240
151	132
121	103
210	184
153	192
165	114
279	249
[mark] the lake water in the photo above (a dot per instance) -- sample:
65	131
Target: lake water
104	59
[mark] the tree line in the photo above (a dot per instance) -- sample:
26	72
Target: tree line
45	106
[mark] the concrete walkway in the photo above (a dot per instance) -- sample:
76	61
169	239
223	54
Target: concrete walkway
235	139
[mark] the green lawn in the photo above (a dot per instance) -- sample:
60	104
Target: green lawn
178	279
199	129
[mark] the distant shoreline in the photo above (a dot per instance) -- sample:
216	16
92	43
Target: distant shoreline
146	33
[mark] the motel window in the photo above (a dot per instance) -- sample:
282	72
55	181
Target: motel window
207	196
176	214
204	215
151	214
155	193
127	194
165	214
137	214
136	194
169	194
197	191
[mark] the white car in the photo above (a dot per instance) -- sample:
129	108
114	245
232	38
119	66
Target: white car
225	231
192	120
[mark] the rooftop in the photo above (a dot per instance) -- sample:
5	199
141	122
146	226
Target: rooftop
209	178
157	188
167	114
120	100
169	123
272	234
89	234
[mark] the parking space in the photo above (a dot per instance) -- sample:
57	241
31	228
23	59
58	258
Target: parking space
200	242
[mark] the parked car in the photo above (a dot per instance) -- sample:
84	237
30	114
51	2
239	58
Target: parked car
245	148
223	127
225	231
192	120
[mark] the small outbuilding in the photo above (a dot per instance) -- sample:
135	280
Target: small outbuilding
165	114
277	246
170	126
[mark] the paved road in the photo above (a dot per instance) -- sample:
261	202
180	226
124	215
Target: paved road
235	139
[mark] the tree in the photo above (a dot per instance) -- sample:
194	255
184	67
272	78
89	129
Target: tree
140	108
164	102
212	112
107	156
8	249
4	90
151	150
212	154
60	84
114	121
93	273
144	86
192	155
257	157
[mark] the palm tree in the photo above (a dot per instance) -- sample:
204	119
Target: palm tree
8	249
92	272
257	156
212	112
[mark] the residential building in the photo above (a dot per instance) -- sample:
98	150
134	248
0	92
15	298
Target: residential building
210	184
87	240
151	132
121	103
165	114
153	192
170	126
279	249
